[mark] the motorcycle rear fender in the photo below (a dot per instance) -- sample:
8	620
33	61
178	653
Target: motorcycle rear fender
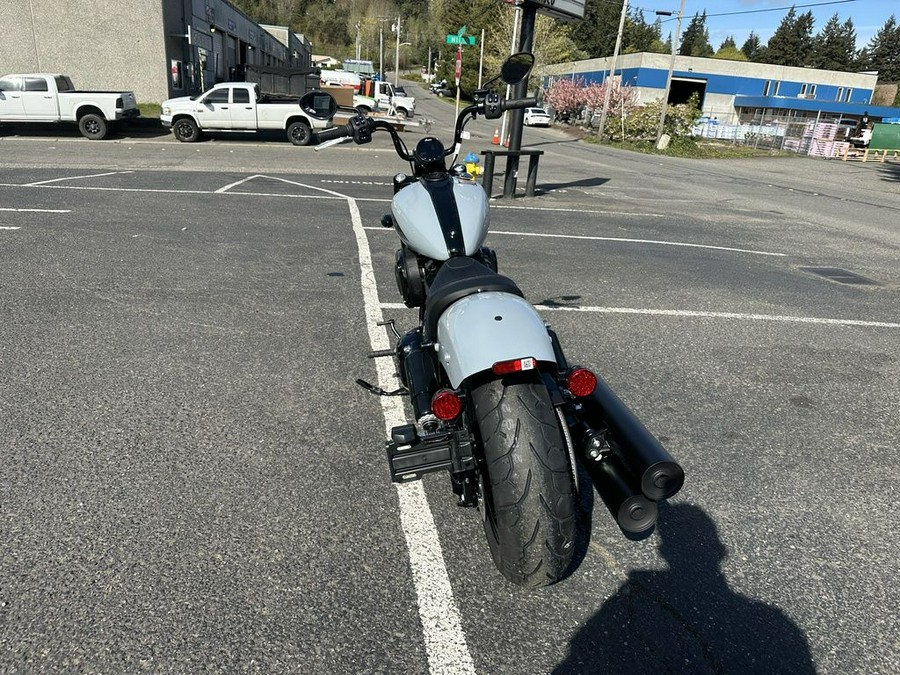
485	328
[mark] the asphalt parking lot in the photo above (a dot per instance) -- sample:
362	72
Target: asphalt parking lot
191	480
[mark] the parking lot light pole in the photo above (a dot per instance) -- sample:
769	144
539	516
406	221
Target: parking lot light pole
665	101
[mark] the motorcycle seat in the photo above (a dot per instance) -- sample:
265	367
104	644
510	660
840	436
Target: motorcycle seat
460	277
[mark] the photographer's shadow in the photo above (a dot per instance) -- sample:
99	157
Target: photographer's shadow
686	619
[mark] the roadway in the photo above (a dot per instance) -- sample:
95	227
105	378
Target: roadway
192	481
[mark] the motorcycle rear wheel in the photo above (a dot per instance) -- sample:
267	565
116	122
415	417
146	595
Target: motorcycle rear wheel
528	497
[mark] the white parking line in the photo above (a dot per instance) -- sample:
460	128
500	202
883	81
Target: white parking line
36	210
57	180
445	643
5	227
236	183
706	315
620	239
640	241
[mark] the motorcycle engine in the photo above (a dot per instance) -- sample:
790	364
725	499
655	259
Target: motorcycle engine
410	277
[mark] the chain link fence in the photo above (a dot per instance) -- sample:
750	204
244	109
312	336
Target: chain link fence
790	131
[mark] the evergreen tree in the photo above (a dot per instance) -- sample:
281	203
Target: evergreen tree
752	47
884	51
596	34
728	51
791	44
639	36
695	41
834	48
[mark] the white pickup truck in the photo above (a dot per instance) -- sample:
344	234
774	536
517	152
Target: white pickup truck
388	99
42	97
239	107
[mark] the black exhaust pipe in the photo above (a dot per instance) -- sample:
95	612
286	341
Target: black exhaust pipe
660	476
633	511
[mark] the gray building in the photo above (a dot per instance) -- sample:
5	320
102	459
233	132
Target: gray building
157	48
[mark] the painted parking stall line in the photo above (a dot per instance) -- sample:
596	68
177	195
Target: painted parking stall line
445	643
65	178
686	313
35	210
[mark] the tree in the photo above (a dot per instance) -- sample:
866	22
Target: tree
884	51
834	48
731	53
596	34
791	44
695	41
728	43
752	47
639	36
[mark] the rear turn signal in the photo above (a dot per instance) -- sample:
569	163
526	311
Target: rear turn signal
581	382
514	366
446	405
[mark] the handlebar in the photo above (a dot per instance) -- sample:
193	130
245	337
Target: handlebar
515	103
335	132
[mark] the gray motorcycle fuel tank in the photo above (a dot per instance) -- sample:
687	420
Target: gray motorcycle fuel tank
440	216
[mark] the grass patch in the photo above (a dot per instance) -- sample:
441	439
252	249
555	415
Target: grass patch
693	149
149	109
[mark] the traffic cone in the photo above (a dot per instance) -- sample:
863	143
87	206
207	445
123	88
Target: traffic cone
506	145
496	139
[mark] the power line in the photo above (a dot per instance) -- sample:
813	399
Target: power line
769	9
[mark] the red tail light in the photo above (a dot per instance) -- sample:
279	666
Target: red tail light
514	366
446	405
581	382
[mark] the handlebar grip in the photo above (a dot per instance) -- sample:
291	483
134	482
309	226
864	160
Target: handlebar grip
335	132
514	103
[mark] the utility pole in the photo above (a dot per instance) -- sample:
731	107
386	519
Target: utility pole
397	55
665	101
357	40
512	50
612	70
381	20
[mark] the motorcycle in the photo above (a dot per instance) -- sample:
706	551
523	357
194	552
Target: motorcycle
494	400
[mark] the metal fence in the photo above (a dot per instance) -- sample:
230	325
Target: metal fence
781	130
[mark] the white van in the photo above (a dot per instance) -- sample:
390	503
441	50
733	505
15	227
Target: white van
340	78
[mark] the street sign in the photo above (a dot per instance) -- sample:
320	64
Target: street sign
460	39
559	9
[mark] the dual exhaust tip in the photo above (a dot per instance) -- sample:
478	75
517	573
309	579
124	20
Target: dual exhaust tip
628	466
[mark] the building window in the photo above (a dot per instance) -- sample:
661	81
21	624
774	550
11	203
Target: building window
840	94
777	89
849	94
766	87
812	91
803	89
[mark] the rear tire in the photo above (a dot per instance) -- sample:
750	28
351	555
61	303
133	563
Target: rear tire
527	491
299	133
93	126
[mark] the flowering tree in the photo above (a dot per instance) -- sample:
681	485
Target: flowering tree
566	96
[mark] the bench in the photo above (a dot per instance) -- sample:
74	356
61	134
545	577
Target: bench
509	186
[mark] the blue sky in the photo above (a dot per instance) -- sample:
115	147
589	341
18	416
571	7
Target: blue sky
868	16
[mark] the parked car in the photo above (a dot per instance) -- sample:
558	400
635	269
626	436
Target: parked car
42	97
442	88
537	117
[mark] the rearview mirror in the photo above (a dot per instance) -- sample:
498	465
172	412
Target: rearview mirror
319	105
516	67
